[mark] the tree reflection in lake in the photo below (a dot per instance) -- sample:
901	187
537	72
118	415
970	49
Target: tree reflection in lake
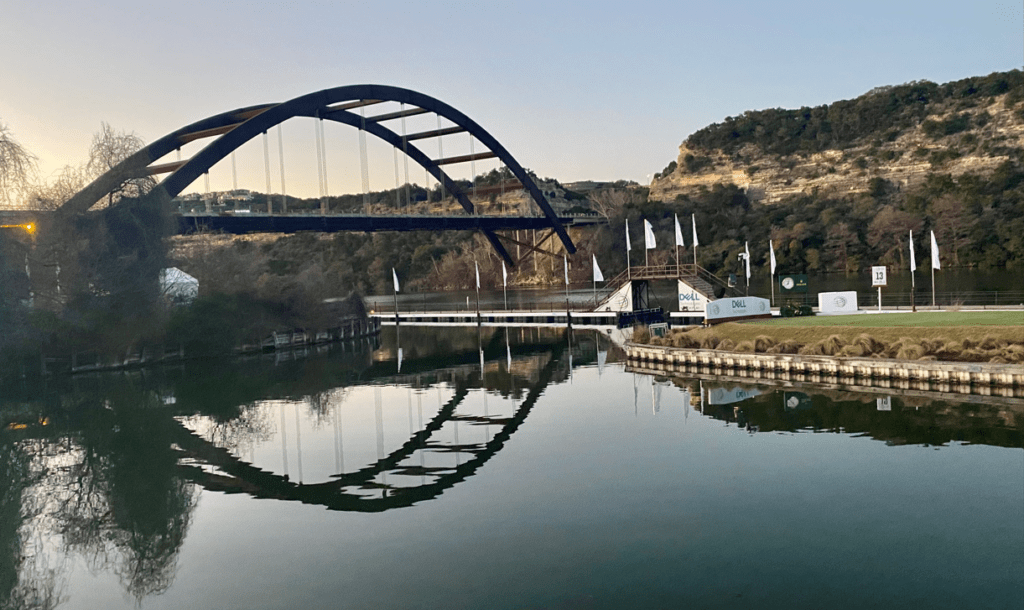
110	468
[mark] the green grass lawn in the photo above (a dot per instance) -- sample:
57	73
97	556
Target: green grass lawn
921	318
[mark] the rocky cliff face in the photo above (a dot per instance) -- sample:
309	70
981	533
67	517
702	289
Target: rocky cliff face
903	158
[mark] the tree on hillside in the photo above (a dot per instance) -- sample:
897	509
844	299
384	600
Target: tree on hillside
953	221
889	231
17	168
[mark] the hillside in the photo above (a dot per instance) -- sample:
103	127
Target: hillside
899	134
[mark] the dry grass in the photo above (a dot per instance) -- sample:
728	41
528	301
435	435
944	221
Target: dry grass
983	343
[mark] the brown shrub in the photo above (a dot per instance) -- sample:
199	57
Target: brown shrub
641	334
992	343
763	343
745	346
869	344
894	348
1014	353
684	340
726	345
932	346
789	346
710	342
831	346
910	351
854	350
975	355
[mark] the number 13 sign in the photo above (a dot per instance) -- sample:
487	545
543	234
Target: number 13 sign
878	276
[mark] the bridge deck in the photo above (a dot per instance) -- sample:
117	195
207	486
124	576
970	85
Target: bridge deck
520	318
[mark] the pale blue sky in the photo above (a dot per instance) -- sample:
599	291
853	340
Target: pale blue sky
575	90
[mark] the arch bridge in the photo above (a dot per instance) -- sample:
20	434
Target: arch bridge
347	105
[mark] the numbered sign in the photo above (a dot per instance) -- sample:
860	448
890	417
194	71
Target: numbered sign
878	276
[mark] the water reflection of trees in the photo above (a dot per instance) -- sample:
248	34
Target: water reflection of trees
26	580
108	491
104	479
914	420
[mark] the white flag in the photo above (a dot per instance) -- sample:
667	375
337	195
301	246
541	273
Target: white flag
628	247
935	253
746	258
477	265
913	260
565	261
504	274
693	218
771	251
598	276
399	360
649	242
395	277
679	234
508	355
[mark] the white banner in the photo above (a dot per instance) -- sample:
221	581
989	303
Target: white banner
739	307
837	302
690	299
649	241
723	396
620	300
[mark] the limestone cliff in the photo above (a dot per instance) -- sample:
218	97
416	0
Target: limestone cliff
945	135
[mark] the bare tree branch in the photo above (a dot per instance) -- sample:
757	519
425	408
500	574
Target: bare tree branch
17	169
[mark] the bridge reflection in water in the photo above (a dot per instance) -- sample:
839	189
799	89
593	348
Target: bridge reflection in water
110	466
482	398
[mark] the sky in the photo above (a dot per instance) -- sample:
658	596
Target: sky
574	90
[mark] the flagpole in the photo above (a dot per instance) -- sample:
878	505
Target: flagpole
629	271
935	263
565	263
773	289
913	290
395	287
693	225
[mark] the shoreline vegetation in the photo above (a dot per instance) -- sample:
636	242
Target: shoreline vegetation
983	337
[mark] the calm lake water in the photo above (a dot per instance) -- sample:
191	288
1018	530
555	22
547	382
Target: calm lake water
502	469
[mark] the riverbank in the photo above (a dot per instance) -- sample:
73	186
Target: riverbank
958	377
988	336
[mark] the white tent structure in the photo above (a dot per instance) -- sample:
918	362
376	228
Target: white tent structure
178	287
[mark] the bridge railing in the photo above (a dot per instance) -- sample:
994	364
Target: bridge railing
577	303
665	272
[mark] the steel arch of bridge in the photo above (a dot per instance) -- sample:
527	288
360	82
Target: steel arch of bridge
234	128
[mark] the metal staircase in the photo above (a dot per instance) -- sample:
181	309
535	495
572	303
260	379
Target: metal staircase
702	280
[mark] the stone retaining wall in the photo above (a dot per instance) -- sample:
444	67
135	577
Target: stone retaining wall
963	377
